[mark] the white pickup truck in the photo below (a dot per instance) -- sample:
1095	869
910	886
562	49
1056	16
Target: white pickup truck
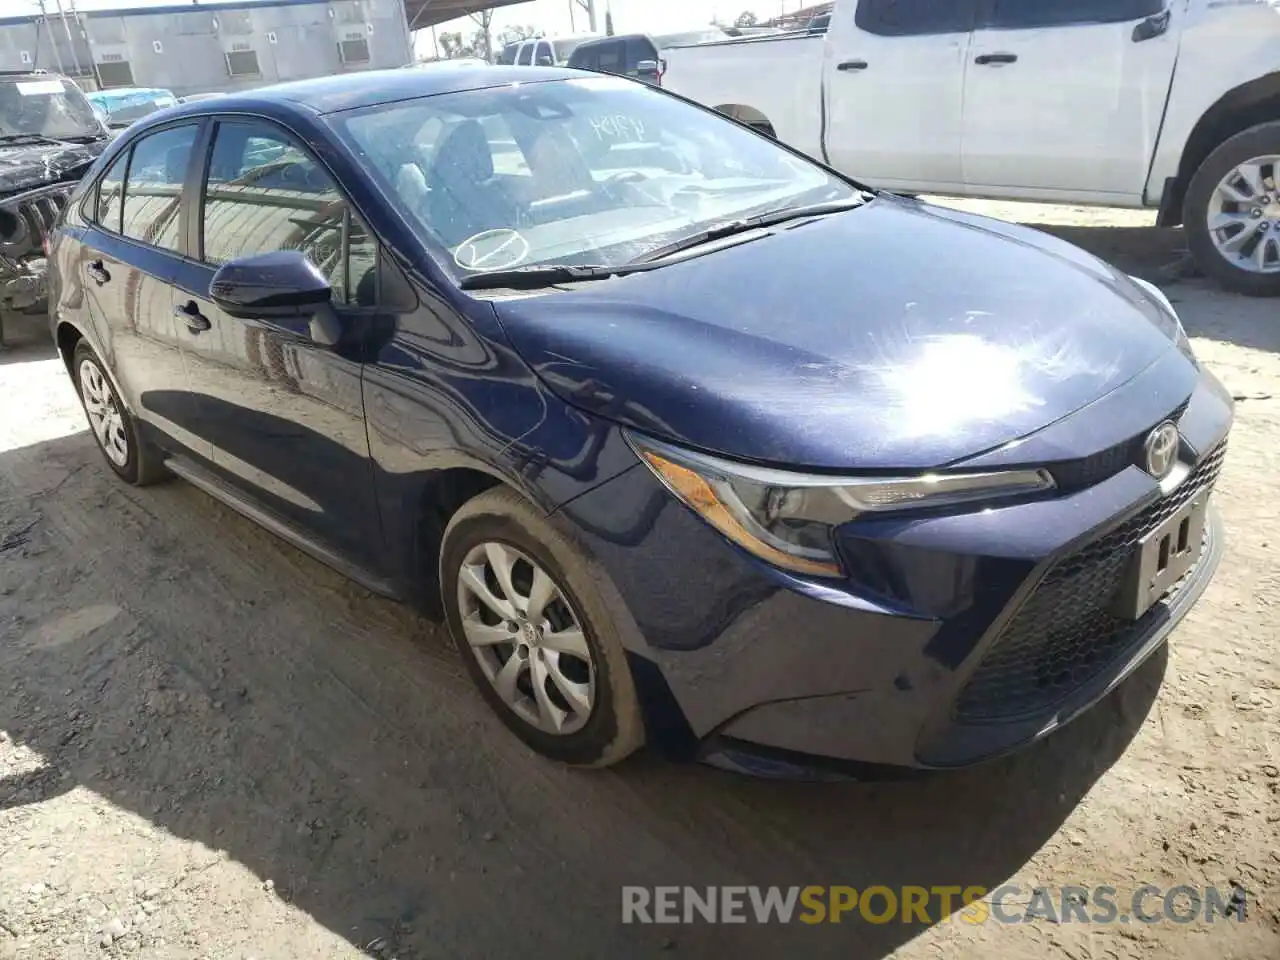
1170	104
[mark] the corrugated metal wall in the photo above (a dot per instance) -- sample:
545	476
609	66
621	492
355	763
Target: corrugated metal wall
201	50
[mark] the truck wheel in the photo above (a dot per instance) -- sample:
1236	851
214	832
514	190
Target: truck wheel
1232	212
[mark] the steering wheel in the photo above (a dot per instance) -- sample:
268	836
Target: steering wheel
609	186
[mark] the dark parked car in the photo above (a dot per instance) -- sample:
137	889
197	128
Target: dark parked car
637	55
49	137
690	440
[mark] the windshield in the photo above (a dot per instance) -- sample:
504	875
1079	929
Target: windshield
593	171
564	48
45	107
123	107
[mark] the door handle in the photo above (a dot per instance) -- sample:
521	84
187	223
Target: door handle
190	314
1152	27
995	59
852	65
97	272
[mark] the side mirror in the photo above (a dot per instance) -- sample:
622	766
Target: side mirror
647	70
280	285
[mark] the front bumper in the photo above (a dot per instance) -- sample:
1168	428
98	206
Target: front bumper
945	647
25	221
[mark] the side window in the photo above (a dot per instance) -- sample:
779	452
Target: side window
637	49
544	56
264	193
587	58
110	192
526	54
905	18
153	191
610	58
1023	14
508	55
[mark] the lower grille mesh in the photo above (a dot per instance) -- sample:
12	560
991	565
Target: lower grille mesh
1065	633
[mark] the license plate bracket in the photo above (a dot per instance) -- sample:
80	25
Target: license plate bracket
1162	558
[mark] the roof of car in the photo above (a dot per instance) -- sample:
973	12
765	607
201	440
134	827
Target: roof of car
370	87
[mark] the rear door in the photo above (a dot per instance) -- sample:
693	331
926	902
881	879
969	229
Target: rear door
1067	96
285	415
609	56
895	91
131	250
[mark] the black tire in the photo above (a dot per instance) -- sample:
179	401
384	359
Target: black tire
143	465
614	728
1262	140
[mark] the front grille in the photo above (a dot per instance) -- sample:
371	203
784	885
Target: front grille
1065	633
26	220
1072	475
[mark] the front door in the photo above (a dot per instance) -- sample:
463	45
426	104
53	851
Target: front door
284	414
1065	97
894	89
130	250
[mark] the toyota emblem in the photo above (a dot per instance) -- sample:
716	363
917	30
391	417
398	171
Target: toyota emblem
1162	450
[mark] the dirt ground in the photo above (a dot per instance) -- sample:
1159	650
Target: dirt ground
212	747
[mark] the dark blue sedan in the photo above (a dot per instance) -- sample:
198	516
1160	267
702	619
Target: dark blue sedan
688	439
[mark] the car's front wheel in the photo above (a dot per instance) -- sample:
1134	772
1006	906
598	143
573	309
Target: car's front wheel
1232	212
535	634
113	428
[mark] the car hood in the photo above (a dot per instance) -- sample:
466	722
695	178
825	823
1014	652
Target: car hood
894	335
27	166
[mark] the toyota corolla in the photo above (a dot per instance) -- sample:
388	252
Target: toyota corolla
689	440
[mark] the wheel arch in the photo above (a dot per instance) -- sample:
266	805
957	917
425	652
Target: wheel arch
1245	106
748	116
440	493
68	335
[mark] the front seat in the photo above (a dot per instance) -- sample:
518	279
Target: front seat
465	199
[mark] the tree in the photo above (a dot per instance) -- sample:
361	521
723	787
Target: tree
746	19
516	33
483	43
451	45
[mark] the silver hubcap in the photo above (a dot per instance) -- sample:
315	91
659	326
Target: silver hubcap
1244	216
527	638
104	415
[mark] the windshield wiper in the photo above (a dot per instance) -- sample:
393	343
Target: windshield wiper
29	138
532	277
535	275
743	225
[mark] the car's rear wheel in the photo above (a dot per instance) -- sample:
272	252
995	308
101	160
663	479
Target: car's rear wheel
113	428
1232	212
534	633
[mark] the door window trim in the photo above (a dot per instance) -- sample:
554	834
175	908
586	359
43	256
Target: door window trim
126	152
868	22
199	173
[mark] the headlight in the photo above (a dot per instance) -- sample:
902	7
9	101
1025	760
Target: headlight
786	519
